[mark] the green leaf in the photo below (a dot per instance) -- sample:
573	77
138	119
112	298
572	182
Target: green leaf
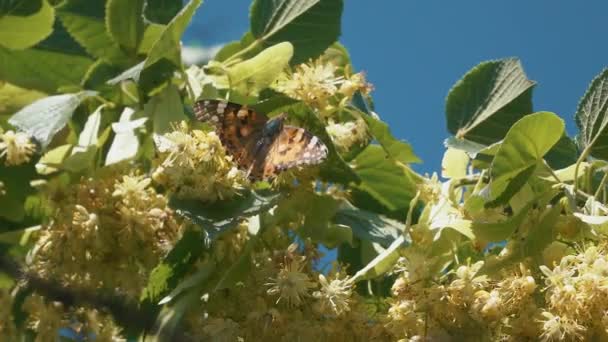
168	44
542	233
252	75
369	226
21	8
523	148
133	73
454	164
316	211
51	161
219	217
13	98
84	20
164	109
41	68
310	25
243	265
21	32
488	100
382	263
166	275
126	143
562	154
592	117
45	117
162	11
125	22
16	180
499	231
392	185
151	35
202	274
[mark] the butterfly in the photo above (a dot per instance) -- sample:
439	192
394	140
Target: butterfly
260	146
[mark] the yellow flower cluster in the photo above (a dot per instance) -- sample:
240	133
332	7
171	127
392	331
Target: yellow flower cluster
193	165
284	298
108	231
317	84
16	147
465	305
576	292
347	134
48	317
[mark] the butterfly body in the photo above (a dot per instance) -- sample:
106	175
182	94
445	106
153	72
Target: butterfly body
260	146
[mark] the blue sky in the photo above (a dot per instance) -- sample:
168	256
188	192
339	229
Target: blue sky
413	51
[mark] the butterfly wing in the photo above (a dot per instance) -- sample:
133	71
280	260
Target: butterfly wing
294	146
238	127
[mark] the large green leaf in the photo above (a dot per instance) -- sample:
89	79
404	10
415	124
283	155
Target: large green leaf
162	11
21	32
21	8
392	185
168	44
310	25
488	100
45	117
592	117
13	98
369	226
219	217
42	69
383	262
85	21
254	74
164	109
16	180
523	148
562	154
125	22
486	232
316	211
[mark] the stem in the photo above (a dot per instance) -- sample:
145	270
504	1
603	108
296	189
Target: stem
580	159
601	186
553	174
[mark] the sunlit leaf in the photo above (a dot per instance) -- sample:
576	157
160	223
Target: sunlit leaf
125	22
381	263
254	74
20	32
369	226
84	20
392	185
523	148
168	44
454	163
165	109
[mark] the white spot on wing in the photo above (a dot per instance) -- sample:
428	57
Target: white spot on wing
313	142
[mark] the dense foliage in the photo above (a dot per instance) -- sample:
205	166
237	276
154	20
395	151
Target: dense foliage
124	218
